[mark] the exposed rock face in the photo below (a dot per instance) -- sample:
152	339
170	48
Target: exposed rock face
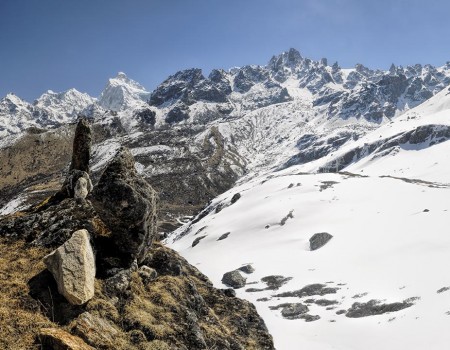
95	330
234	279
52	226
57	339
128	206
318	240
73	267
82	146
78	182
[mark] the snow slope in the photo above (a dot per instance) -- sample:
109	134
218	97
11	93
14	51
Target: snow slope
388	213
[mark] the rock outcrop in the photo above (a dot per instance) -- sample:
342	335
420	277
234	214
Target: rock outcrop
146	296
57	339
78	183
96	330
73	267
81	154
127	204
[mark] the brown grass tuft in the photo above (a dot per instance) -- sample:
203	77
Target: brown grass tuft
20	315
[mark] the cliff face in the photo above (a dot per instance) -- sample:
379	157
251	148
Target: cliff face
145	295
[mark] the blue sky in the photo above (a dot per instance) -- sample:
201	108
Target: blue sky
59	44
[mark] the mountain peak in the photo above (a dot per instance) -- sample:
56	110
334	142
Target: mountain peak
13	98
121	75
291	58
121	92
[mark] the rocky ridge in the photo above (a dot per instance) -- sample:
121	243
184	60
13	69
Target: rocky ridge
144	296
194	136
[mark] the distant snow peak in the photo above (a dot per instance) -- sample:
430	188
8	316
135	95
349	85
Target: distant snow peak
63	106
122	79
291	58
122	93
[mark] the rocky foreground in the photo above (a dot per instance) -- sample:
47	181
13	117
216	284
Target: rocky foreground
83	270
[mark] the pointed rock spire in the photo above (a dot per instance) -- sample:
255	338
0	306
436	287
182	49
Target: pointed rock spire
81	146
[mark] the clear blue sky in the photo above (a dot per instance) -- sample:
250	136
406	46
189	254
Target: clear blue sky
59	44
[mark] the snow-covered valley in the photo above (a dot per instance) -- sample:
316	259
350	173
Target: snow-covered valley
388	214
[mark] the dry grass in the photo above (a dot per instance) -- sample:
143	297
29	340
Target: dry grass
20	315
156	313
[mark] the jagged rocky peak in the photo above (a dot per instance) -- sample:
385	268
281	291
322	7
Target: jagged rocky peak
248	76
176	87
189	86
121	93
291	59
190	76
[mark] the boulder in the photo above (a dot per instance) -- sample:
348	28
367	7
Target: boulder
318	240
234	279
127	204
77	184
73	267
82	188
235	198
57	339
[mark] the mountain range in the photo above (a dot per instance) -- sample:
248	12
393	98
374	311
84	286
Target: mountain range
253	162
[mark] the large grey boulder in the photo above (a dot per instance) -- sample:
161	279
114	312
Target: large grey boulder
127	204
234	279
73	267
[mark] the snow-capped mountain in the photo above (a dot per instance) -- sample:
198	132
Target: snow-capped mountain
205	132
64	106
15	115
348	260
122	93
48	111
